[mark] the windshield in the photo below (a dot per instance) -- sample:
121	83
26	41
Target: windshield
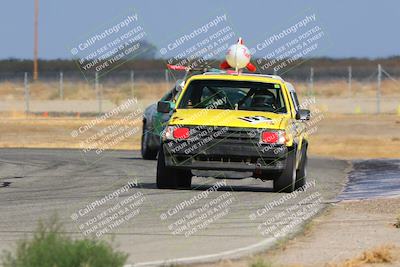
240	95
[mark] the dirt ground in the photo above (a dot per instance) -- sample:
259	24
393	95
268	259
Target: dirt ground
344	233
339	136
40	132
357	136
350	234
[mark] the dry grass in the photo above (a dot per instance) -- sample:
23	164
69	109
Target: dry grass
381	254
339	88
260	262
38	132
143	89
397	223
84	91
357	136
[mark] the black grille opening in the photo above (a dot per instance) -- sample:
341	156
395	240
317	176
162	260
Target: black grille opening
219	133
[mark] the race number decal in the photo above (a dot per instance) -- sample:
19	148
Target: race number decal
255	119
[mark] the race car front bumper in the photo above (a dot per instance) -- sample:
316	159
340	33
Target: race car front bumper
235	150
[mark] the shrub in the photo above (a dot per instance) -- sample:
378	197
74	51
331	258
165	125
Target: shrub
397	223
50	247
259	262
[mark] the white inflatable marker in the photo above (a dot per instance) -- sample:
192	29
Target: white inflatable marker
238	57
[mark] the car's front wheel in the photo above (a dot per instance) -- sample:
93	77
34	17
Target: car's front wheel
170	178
285	183
302	170
146	151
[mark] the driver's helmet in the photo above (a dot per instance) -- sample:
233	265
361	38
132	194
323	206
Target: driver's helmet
262	99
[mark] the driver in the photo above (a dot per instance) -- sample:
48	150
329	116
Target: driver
263	98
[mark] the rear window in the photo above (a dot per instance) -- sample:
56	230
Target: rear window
240	95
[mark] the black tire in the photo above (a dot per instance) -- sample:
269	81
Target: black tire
170	178
286	181
301	174
146	151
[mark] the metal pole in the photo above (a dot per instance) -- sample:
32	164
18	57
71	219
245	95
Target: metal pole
35	42
378	90
61	85
132	83
349	80
26	90
311	81
167	77
101	97
98	93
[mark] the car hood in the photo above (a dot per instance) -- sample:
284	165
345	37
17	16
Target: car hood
228	118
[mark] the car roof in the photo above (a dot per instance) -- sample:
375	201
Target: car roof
239	77
290	87
247	74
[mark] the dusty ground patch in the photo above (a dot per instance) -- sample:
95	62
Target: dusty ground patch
36	132
350	234
357	136
344	233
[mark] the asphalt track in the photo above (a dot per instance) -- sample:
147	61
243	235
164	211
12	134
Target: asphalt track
230	222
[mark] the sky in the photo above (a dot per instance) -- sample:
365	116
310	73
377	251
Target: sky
351	28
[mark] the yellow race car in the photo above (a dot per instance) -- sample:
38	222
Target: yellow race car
234	122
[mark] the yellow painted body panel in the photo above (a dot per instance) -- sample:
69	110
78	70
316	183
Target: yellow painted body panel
229	118
232	118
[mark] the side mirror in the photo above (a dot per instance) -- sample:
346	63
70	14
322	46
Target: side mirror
303	114
163	107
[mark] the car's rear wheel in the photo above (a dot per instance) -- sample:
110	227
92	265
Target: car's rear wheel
285	183
146	151
302	170
170	178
